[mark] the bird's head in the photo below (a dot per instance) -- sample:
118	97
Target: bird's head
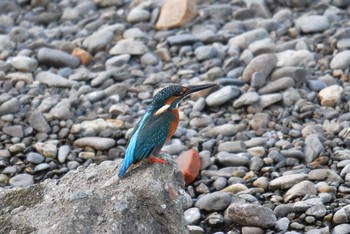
169	97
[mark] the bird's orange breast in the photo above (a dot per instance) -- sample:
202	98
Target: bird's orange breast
174	124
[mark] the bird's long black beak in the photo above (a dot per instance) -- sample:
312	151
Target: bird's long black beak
196	88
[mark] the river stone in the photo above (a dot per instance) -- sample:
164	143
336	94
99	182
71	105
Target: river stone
21	180
25	64
263	63
129	46
286	181
341	60
54	80
245	39
313	147
251	215
98	143
246	99
277	85
214	201
37	121
223	95
331	96
312	23
57	58
300	190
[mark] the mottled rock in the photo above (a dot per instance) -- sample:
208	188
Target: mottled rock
98	143
313	147
251	215
300	190
331	96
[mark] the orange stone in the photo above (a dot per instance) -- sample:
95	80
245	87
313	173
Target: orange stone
175	13
190	164
83	55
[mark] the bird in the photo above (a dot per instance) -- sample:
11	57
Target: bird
157	126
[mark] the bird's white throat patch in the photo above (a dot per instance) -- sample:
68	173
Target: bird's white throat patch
162	109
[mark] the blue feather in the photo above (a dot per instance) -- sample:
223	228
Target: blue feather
130	151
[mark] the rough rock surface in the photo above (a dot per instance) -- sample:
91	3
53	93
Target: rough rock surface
94	200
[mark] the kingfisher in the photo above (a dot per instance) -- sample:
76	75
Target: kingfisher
157	126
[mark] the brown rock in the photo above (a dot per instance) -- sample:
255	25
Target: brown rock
83	55
176	13
190	164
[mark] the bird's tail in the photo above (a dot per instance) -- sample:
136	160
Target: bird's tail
126	164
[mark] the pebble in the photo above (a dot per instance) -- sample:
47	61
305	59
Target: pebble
341	228
225	130
138	15
190	164
313	147
341	60
286	181
205	52
21	180
232	147
192	215
263	64
63	152
245	39
10	106
214	201
331	96
61	110
251	215
98	40
37	121
53	80
183	39
228	159
300	190
57	58
222	95
24	64
128	46
47	149
13	131
312	23
277	85
246	99
98	143
35	158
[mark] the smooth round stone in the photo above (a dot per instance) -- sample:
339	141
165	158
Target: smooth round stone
223	95
277	85
47	149
220	183
300	190
63	152
61	110
342	215
213	73
37	121
41	167
192	215
10	170
57	58
13	131
286	181
341	228
243	40
133	33
138	15
246	99
318	174
316	85
21	180
294	58
313	147
17	148
261	182
225	130
149	59
214	201
98	143
312	23
228	159
53	80
193	229
73	165
10	106
129	46
25	64
232	147
98	40
35	158
205	52
331	96
118	60
263	64
235	188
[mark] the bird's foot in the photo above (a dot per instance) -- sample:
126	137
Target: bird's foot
159	160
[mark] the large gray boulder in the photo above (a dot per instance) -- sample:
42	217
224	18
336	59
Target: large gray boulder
95	200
